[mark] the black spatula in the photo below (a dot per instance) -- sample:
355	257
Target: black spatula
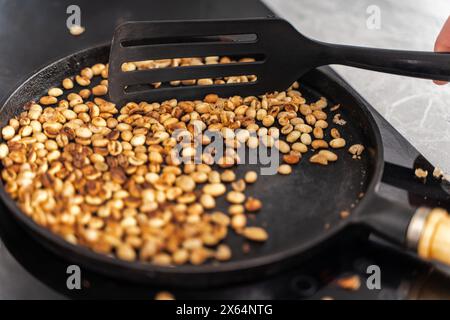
283	56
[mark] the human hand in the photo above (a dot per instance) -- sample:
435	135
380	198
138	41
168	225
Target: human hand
443	43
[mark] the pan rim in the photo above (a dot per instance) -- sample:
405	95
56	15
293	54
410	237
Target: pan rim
230	266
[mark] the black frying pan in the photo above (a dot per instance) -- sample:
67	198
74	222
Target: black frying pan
301	211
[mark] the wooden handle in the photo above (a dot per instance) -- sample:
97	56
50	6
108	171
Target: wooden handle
434	242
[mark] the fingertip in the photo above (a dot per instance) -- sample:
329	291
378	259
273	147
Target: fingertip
440	83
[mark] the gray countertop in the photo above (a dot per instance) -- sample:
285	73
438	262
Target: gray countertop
417	108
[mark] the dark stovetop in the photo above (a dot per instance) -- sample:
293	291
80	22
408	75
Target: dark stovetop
33	33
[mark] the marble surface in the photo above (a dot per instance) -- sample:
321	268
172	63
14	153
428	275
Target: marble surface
417	108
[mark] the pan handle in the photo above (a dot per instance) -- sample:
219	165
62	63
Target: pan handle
419	64
423	230
429	234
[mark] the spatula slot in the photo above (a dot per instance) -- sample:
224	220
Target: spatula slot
241	38
190	83
183	62
140	92
175	50
191	72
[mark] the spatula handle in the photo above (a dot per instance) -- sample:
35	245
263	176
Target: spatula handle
427	65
